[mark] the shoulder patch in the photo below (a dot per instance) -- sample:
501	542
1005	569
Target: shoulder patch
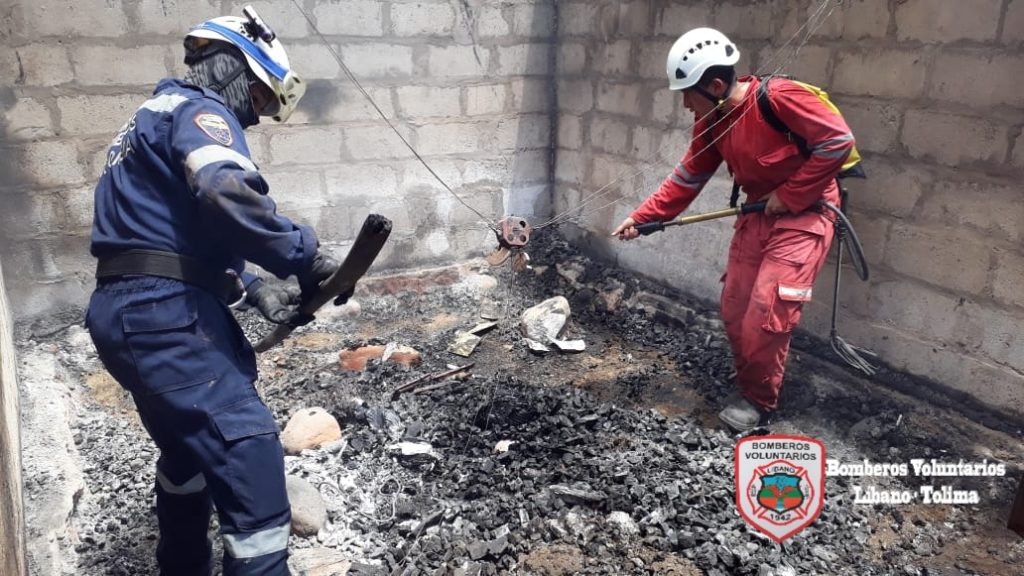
215	127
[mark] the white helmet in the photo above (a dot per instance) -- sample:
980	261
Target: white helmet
695	52
263	52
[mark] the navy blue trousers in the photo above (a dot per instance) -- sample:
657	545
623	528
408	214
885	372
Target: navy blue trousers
180	353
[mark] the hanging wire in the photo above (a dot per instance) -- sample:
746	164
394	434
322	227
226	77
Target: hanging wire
348	73
649	162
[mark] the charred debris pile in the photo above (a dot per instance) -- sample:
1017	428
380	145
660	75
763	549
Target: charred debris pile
520	465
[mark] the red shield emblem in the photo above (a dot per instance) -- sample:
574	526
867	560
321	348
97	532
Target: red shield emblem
780	483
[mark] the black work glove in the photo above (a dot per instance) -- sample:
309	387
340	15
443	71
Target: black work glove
319	270
276	304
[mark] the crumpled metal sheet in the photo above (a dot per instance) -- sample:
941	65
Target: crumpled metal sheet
544	323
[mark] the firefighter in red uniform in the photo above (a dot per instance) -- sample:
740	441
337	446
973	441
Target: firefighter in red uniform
776	255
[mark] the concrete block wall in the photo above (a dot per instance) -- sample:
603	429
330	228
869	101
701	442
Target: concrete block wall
927	88
467	82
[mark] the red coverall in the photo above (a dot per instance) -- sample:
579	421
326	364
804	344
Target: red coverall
773	260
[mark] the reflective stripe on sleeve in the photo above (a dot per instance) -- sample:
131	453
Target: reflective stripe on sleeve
683	177
202	157
828	148
164	103
194	485
256	544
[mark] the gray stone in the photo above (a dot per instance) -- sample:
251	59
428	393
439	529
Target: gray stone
309	513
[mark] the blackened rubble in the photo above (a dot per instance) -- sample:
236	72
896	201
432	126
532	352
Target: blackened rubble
595	480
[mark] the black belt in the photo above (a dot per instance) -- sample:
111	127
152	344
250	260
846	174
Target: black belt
225	284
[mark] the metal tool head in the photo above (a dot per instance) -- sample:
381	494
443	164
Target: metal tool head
514	232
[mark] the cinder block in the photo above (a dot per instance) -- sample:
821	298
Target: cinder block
295	190
175	17
530	167
414	177
1006	284
665	104
422	19
27	119
450	138
572	59
376	142
619	98
964	20
286	21
646	142
864	19
570	132
875	125
427	101
991	209
958	75
676	19
812	64
350	18
524	59
96	115
531	95
315	62
917	309
328	102
954	140
89	18
491	23
892	188
38	214
992	332
803	18
880	72
612	58
105	65
609	135
52	163
349	181
78	207
652	56
457	61
1018	152
487	99
305	145
998	387
374	60
743	21
1013	26
943	256
44	64
576	96
523	132
577	18
535	20
635	18
485	171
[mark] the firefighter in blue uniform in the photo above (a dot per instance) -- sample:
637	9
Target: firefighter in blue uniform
179	209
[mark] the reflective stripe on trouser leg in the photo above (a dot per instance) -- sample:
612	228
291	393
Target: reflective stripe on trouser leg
183	514
792	260
256	544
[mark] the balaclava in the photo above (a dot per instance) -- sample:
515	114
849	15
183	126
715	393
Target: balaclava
223	69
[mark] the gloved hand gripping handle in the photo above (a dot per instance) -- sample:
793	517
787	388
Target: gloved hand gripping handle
368	244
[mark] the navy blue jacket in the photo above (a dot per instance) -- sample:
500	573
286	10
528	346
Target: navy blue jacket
178	178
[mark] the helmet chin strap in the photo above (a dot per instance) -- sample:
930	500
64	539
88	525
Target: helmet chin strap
717	101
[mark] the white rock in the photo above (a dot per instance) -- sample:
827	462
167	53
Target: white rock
309	513
623	524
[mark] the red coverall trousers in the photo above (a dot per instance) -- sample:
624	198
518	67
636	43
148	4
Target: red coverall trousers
773	261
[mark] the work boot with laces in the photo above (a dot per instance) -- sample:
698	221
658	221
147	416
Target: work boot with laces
740	414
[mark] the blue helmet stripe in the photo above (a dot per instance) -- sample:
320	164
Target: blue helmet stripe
247	46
